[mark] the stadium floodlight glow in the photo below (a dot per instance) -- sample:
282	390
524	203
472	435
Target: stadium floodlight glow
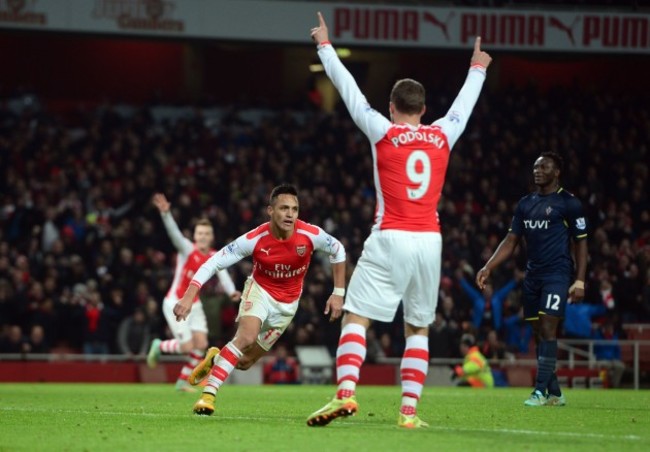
343	52
316	68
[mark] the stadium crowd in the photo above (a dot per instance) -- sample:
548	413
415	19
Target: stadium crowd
84	255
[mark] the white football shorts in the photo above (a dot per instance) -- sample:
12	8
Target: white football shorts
394	266
195	322
275	316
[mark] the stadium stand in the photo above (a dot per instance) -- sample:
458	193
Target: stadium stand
81	247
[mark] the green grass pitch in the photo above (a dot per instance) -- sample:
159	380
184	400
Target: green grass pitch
118	417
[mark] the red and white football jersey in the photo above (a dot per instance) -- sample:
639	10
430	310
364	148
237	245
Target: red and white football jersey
279	266
410	162
188	260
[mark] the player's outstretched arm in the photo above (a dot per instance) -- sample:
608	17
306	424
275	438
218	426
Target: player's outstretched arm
181	243
503	252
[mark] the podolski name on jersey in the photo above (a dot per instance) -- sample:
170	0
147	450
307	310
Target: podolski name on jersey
410	136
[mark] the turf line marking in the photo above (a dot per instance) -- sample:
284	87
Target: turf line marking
535	432
343	423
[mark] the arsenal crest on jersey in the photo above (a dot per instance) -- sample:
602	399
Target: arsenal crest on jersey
300	249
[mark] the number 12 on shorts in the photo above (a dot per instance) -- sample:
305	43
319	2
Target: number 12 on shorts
553	302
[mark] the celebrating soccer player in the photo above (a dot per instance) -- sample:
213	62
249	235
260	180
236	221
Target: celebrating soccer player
550	220
190	337
401	258
282	251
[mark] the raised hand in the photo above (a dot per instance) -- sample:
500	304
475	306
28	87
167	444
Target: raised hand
320	34
160	201
479	56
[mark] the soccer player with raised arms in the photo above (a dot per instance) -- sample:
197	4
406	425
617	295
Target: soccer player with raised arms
282	250
551	221
191	337
401	257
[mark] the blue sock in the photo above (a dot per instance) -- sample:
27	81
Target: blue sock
545	364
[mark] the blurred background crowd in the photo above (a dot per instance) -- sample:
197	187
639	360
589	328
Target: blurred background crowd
85	261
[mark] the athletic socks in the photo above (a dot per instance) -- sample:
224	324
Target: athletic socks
170	347
554	386
193	359
546	359
224	364
350	355
413	371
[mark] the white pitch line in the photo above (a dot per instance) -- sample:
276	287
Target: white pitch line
536	432
345	423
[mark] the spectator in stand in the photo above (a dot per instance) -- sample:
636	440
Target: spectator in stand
282	369
102	159
645	296
133	334
610	353
37	340
494	348
441	338
518	332
155	321
95	331
12	340
579	318
488	304
373	344
9	307
387	346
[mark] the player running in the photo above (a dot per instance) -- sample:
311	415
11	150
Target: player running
191	337
282	251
